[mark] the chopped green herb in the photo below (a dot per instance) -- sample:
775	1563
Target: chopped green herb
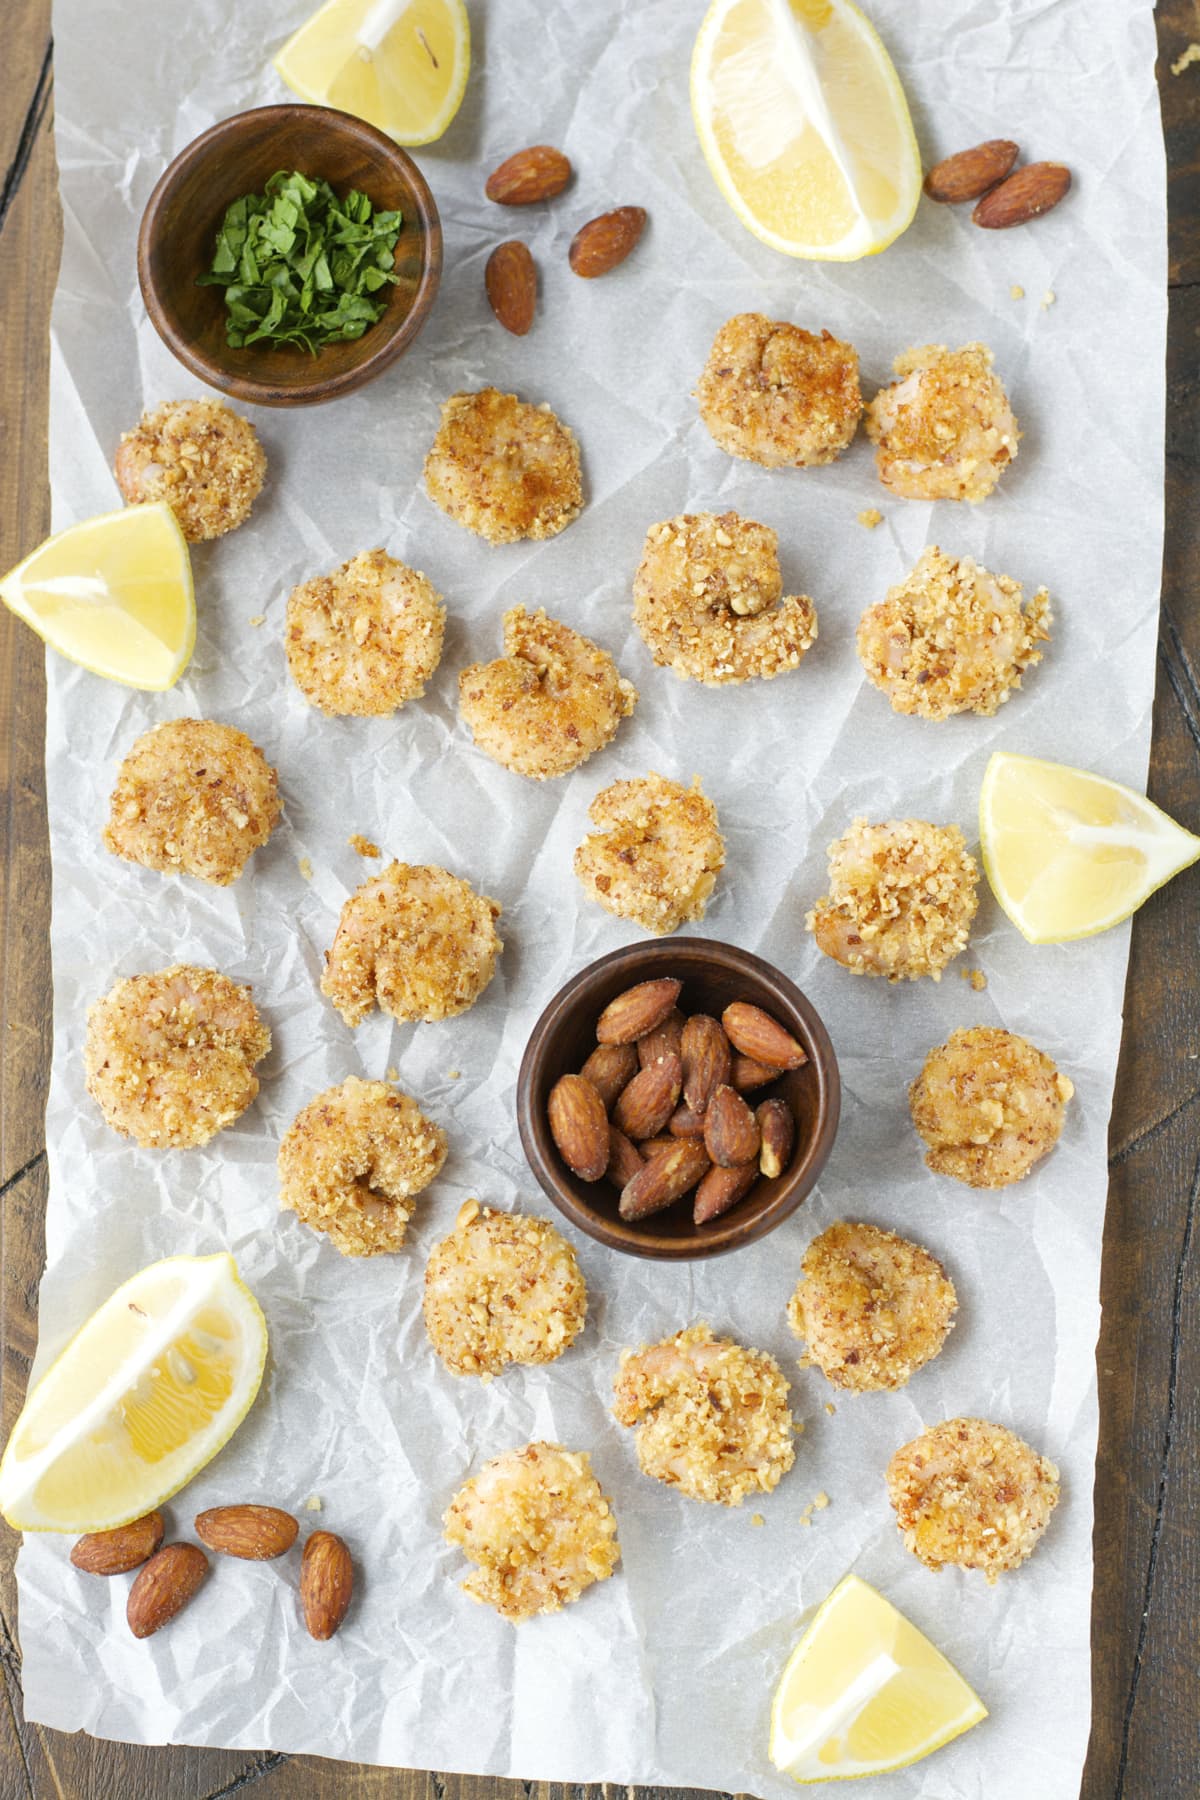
300	266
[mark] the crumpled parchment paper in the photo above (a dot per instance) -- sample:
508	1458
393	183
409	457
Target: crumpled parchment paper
665	1673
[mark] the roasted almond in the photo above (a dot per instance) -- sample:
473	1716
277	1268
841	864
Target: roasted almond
706	1060
624	1158
125	1547
163	1586
647	1103
609	1068
579	1126
326	1583
969	173
1026	195
664	1040
686	1123
730	1130
603	243
721	1189
664	1179
510	278
777	1129
528	175
748	1074
255	1533
656	1146
638	1010
757	1035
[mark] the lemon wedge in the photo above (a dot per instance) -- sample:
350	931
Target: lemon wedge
142	1397
113	593
400	64
804	124
1068	853
864	1692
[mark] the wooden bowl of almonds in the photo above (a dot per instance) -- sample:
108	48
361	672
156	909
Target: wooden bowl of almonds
678	1100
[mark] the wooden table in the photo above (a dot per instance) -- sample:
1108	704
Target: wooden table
1144	1625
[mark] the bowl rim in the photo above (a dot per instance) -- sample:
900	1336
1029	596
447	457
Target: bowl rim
247	386
727	1235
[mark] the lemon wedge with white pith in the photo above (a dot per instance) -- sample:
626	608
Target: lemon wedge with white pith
805	127
864	1691
114	594
400	64
1068	853
140	1400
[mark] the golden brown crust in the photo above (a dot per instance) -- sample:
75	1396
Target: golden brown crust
775	394
504	468
902	896
655	854
973	1495
193	797
989	1105
502	1288
205	461
365	639
872	1307
944	430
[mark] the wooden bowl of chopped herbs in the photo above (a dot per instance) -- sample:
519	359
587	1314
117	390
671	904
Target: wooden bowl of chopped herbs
290	254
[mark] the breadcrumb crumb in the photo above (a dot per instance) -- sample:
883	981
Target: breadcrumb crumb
1016	291
870	517
364	846
1186	59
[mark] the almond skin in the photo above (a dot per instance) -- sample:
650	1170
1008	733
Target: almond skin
579	1126
757	1035
748	1074
664	1179
510	278
664	1040
529	175
969	173
651	1097
255	1533
604	243
777	1129
686	1123
609	1068
1026	195
624	1158
707	1060
721	1189
163	1587
326	1583
125	1547
730	1130
638	1010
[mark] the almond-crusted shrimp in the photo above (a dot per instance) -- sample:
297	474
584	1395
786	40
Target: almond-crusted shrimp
944	429
971	1494
205	461
901	900
366	638
502	1288
504	468
655	854
872	1307
990	1105
775	394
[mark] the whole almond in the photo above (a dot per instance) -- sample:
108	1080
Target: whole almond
969	173
707	1060
125	1547
757	1035
656	1146
528	175
647	1103
748	1074
686	1123
579	1126
163	1586
510	278
603	243
777	1129
609	1068
638	1010
255	1533
1026	195
664	1040
721	1189
664	1179
326	1583
624	1158
730	1130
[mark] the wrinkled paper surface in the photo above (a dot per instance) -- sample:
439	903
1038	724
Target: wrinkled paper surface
665	1673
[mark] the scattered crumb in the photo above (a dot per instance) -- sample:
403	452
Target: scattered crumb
1016	291
1048	298
1189	56
363	845
313	1503
259	619
806	1517
830	1408
305	868
821	1501
804	1362
800	1427
757	1519
393	1073
453	1074
871	517
976	977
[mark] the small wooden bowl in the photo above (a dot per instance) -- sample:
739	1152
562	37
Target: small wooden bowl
179	231
713	975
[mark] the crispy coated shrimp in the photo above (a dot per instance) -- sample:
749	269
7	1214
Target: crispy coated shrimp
971	1494
366	638
203	460
501	1289
777	395
901	899
655	854
944	430
872	1307
989	1105
503	468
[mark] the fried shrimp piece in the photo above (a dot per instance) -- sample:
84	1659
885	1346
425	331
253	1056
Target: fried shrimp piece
872	1307
989	1105
414	940
193	797
901	899
353	1161
170	1056
777	395
708	599
539	1527
655	854
971	1494
365	639
502	1288
952	638
552	700
712	1418
503	468
944	430
203	460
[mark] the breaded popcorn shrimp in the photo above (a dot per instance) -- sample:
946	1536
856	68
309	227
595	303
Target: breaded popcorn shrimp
952	638
944	430
778	395
539	1527
989	1105
365	639
205	461
655	854
503	468
552	700
973	1495
902	897
414	940
501	1289
193	797
708	600
872	1307
170	1056
712	1418
353	1161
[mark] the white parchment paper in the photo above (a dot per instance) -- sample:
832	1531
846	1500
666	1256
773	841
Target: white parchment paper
663	1674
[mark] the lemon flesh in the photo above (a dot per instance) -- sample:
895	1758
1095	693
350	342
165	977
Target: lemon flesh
804	124
140	1400
400	64
864	1691
1068	853
114	594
